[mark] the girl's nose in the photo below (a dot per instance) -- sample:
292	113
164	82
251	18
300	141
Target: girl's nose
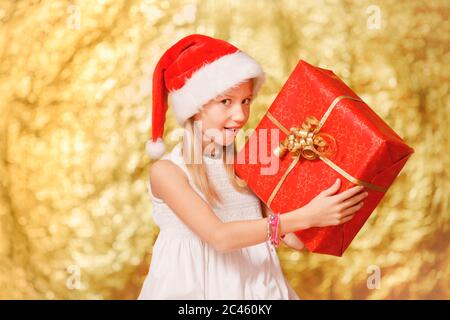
239	113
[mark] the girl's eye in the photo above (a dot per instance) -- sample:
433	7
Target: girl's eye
225	101
247	101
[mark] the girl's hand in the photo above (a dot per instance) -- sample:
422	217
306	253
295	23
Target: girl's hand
328	209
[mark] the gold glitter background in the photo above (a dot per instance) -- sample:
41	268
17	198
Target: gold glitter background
75	106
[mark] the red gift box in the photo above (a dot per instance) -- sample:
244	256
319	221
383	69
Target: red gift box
317	130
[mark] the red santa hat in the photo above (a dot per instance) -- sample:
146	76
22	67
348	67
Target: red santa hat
192	72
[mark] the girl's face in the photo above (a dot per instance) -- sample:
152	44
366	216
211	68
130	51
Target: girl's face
223	116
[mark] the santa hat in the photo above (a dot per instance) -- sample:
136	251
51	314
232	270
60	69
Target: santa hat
192	72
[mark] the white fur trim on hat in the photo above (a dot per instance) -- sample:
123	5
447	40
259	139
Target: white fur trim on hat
212	80
155	149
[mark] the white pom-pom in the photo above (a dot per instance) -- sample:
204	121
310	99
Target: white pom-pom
155	149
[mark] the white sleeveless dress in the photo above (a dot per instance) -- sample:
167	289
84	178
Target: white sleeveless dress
185	267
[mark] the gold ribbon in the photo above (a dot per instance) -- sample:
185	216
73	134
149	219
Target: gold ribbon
309	143
305	141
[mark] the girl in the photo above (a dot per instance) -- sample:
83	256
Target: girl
214	241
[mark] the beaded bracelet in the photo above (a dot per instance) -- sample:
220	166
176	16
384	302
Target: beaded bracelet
273	226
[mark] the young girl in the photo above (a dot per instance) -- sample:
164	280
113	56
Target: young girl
214	241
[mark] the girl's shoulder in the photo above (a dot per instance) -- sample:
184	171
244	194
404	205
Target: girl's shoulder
169	167
173	161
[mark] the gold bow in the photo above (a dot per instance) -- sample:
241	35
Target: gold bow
305	141
308	143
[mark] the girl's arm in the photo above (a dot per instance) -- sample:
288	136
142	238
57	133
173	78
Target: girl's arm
168	182
289	239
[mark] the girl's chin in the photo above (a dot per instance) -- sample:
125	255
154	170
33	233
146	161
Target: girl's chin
228	137
228	140
225	140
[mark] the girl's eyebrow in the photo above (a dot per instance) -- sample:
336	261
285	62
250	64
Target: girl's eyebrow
225	96
230	96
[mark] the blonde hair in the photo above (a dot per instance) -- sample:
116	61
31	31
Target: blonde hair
192	153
